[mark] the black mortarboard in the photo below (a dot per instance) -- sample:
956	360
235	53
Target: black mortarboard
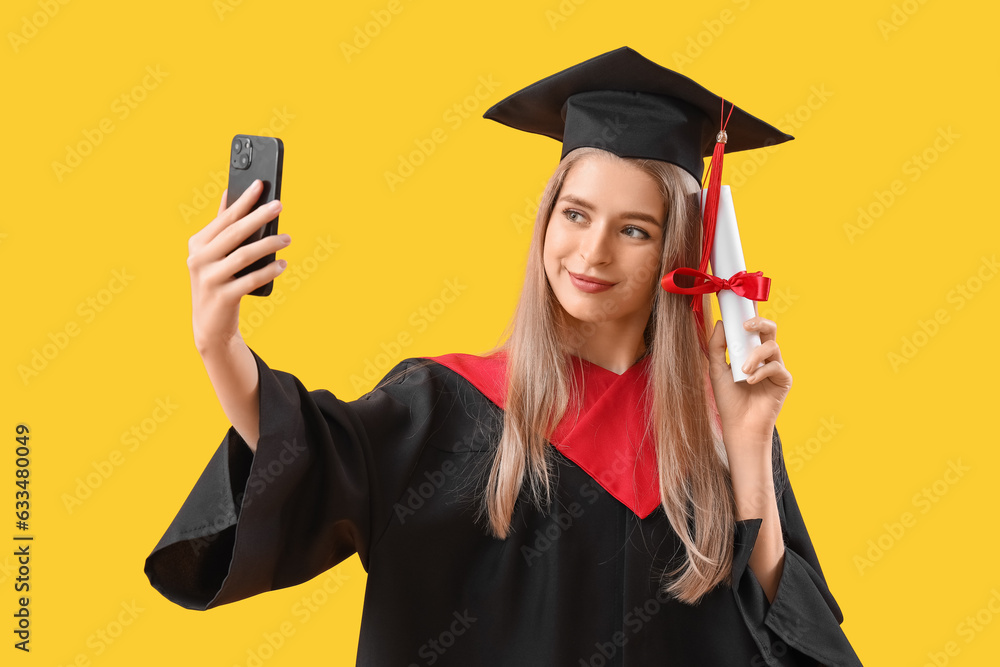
632	107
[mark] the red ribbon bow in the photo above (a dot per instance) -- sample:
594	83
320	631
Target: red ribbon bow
753	286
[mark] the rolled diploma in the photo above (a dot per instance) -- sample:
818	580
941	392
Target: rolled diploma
727	259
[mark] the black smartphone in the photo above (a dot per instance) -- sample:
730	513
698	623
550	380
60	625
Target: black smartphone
250	158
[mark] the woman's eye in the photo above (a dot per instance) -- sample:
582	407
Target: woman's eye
573	216
637	233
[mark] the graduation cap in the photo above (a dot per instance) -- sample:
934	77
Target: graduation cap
629	105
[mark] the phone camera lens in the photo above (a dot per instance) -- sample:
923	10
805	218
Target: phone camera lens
242	153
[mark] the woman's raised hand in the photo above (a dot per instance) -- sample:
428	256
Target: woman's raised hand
749	410
214	256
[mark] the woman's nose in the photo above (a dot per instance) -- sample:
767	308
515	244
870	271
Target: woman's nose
595	246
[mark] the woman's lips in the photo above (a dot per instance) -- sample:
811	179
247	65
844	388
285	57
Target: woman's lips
589	285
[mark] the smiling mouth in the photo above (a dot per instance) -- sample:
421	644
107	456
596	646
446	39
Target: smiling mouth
588	284
589	279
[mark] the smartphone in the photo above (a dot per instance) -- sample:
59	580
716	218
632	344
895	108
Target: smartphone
250	158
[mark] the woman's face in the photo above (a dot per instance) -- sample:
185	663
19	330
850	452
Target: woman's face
603	243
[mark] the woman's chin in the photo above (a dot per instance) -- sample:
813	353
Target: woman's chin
582	315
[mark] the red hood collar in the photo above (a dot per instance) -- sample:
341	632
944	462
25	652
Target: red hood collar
607	439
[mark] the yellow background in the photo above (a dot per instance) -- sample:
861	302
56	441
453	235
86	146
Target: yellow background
864	87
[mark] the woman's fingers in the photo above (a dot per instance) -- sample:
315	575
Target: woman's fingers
216	253
775	370
229	239
246	255
717	341
228	215
768	348
766	328
222	202
766	351
251	281
717	351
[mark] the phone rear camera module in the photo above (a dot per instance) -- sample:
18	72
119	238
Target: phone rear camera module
242	152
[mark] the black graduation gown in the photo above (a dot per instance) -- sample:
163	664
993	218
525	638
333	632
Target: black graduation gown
394	477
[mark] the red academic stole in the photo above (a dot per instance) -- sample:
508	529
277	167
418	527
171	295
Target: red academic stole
607	439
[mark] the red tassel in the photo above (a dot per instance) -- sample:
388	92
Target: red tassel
714	177
714	187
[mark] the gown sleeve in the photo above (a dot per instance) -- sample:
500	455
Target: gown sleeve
318	489
801	626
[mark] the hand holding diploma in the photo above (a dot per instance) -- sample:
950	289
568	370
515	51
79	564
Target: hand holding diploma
749	404
749	410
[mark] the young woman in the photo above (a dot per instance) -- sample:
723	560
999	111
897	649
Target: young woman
596	491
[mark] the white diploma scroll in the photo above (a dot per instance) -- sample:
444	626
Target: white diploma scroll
727	259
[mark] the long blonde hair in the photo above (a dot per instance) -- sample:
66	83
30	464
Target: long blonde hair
695	490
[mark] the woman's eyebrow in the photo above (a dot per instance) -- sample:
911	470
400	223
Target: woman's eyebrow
629	215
